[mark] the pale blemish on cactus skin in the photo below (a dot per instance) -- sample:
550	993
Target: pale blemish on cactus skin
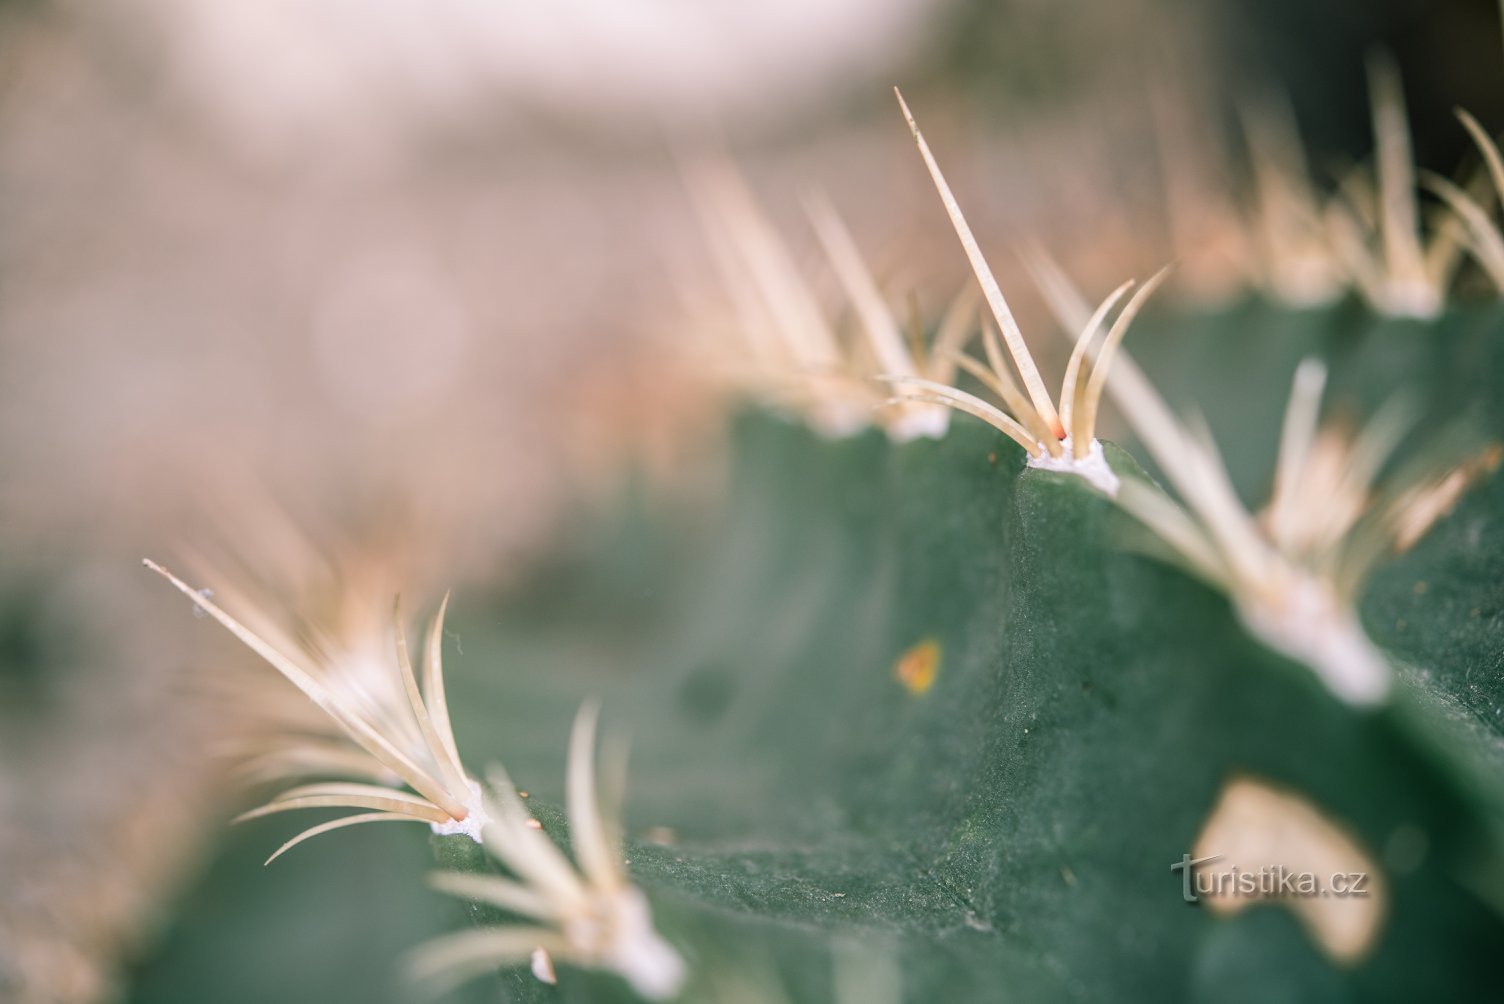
1256	833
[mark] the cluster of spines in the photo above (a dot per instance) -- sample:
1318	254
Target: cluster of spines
1294	571
1372	235
585	911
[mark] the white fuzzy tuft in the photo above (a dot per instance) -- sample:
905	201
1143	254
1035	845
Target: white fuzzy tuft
639	953
1094	470
1309	625
475	821
1421	300
919	421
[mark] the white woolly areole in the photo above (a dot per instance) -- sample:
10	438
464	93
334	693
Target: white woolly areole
475	819
838	419
1417	299
1093	470
1308	624
636	950
919	421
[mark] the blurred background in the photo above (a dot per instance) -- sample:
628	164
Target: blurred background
423	271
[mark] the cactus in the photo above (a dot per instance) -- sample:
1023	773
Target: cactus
953	709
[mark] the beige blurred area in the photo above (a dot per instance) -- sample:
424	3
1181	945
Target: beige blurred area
401	267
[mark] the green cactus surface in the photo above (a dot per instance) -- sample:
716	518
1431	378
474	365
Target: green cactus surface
996	817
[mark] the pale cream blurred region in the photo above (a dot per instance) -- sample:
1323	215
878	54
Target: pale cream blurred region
345	68
287	232
408	268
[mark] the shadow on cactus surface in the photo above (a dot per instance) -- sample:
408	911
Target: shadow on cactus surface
800	813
